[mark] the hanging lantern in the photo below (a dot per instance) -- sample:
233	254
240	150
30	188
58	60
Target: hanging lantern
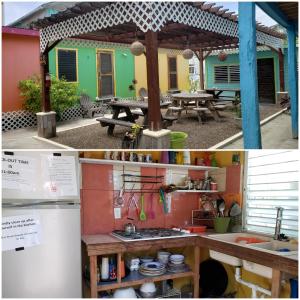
187	54
222	56
137	48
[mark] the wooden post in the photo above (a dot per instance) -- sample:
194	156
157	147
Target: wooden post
276	283
154	115
281	70
292	75
248	76
93	276
196	270
201	72
45	84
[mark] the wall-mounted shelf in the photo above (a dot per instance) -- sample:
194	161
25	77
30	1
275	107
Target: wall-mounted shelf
196	191
144	164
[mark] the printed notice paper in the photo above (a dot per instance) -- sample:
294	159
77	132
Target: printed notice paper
20	231
19	172
59	175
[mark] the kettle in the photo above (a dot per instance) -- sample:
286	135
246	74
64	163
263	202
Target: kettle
129	228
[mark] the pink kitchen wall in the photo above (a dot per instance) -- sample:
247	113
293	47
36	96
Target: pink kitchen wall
97	200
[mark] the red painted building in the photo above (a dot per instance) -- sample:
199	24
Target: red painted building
20	60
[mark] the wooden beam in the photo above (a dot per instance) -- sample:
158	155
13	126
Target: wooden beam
281	70
292	75
276	283
248	76
154	115
201	69
45	81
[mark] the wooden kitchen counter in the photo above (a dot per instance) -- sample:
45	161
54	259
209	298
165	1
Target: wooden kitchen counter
104	244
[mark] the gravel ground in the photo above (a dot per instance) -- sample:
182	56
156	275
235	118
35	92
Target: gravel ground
199	136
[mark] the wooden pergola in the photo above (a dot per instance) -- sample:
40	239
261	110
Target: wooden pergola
202	27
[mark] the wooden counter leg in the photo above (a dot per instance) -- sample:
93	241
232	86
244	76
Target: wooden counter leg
93	276
119	269
196	270
276	283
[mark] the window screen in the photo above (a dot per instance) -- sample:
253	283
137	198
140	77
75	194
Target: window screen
234	74
272	181
67	64
221	74
105	73
227	74
172	65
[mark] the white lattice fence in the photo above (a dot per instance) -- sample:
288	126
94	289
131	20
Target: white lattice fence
147	16
18	119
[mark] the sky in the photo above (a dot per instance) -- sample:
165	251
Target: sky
14	10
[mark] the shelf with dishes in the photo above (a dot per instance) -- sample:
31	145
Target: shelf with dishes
135	278
196	191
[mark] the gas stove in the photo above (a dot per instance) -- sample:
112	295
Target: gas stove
150	234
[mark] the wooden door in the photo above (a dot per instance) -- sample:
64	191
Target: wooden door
266	81
105	71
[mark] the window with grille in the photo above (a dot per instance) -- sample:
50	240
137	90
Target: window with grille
271	181
227	74
105	73
67	64
172	72
191	69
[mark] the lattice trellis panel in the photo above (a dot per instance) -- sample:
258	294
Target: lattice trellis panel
18	119
147	16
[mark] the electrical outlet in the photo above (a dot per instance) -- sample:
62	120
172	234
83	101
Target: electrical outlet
117	212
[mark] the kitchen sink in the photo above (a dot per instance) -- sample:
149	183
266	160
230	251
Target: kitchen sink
242	238
254	241
277	247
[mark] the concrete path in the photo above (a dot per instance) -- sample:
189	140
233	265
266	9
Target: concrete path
276	134
25	138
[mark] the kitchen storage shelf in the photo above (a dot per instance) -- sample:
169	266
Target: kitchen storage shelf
137	279
144	164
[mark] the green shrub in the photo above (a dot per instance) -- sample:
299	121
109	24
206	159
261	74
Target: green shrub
63	94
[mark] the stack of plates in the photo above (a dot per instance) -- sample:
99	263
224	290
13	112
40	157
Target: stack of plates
177	268
152	269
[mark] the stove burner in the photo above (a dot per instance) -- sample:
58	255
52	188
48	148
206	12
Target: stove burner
148	234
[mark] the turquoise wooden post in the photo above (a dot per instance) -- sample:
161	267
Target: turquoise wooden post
292	75
248	76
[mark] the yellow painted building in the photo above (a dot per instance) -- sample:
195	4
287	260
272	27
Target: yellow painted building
166	57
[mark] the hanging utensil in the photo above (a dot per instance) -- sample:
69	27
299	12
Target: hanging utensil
222	208
161	193
151	212
235	210
143	216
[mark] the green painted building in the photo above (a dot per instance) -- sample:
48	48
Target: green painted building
225	74
101	69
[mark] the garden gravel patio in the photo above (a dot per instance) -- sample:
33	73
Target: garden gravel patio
199	136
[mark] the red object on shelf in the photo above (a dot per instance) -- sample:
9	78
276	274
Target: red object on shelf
196	229
249	240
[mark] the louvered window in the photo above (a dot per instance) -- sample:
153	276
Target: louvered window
172	72
67	64
272	181
227	74
105	74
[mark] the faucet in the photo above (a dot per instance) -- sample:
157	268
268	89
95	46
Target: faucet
278	223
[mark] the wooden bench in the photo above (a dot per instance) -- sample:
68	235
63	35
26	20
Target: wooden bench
137	113
174	110
168	120
111	123
219	107
201	114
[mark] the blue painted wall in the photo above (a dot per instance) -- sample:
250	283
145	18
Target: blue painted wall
233	59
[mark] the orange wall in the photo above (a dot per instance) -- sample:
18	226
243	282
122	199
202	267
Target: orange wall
97	200
20	60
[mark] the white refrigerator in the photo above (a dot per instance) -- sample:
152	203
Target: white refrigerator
43	258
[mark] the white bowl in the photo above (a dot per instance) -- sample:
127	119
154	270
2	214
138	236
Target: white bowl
125	293
148	287
177	257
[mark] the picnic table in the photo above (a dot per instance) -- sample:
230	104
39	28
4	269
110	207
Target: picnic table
130	117
184	100
217	92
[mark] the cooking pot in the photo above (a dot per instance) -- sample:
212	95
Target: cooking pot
129	228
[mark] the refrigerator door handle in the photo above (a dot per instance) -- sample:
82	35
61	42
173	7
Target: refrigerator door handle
40	203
